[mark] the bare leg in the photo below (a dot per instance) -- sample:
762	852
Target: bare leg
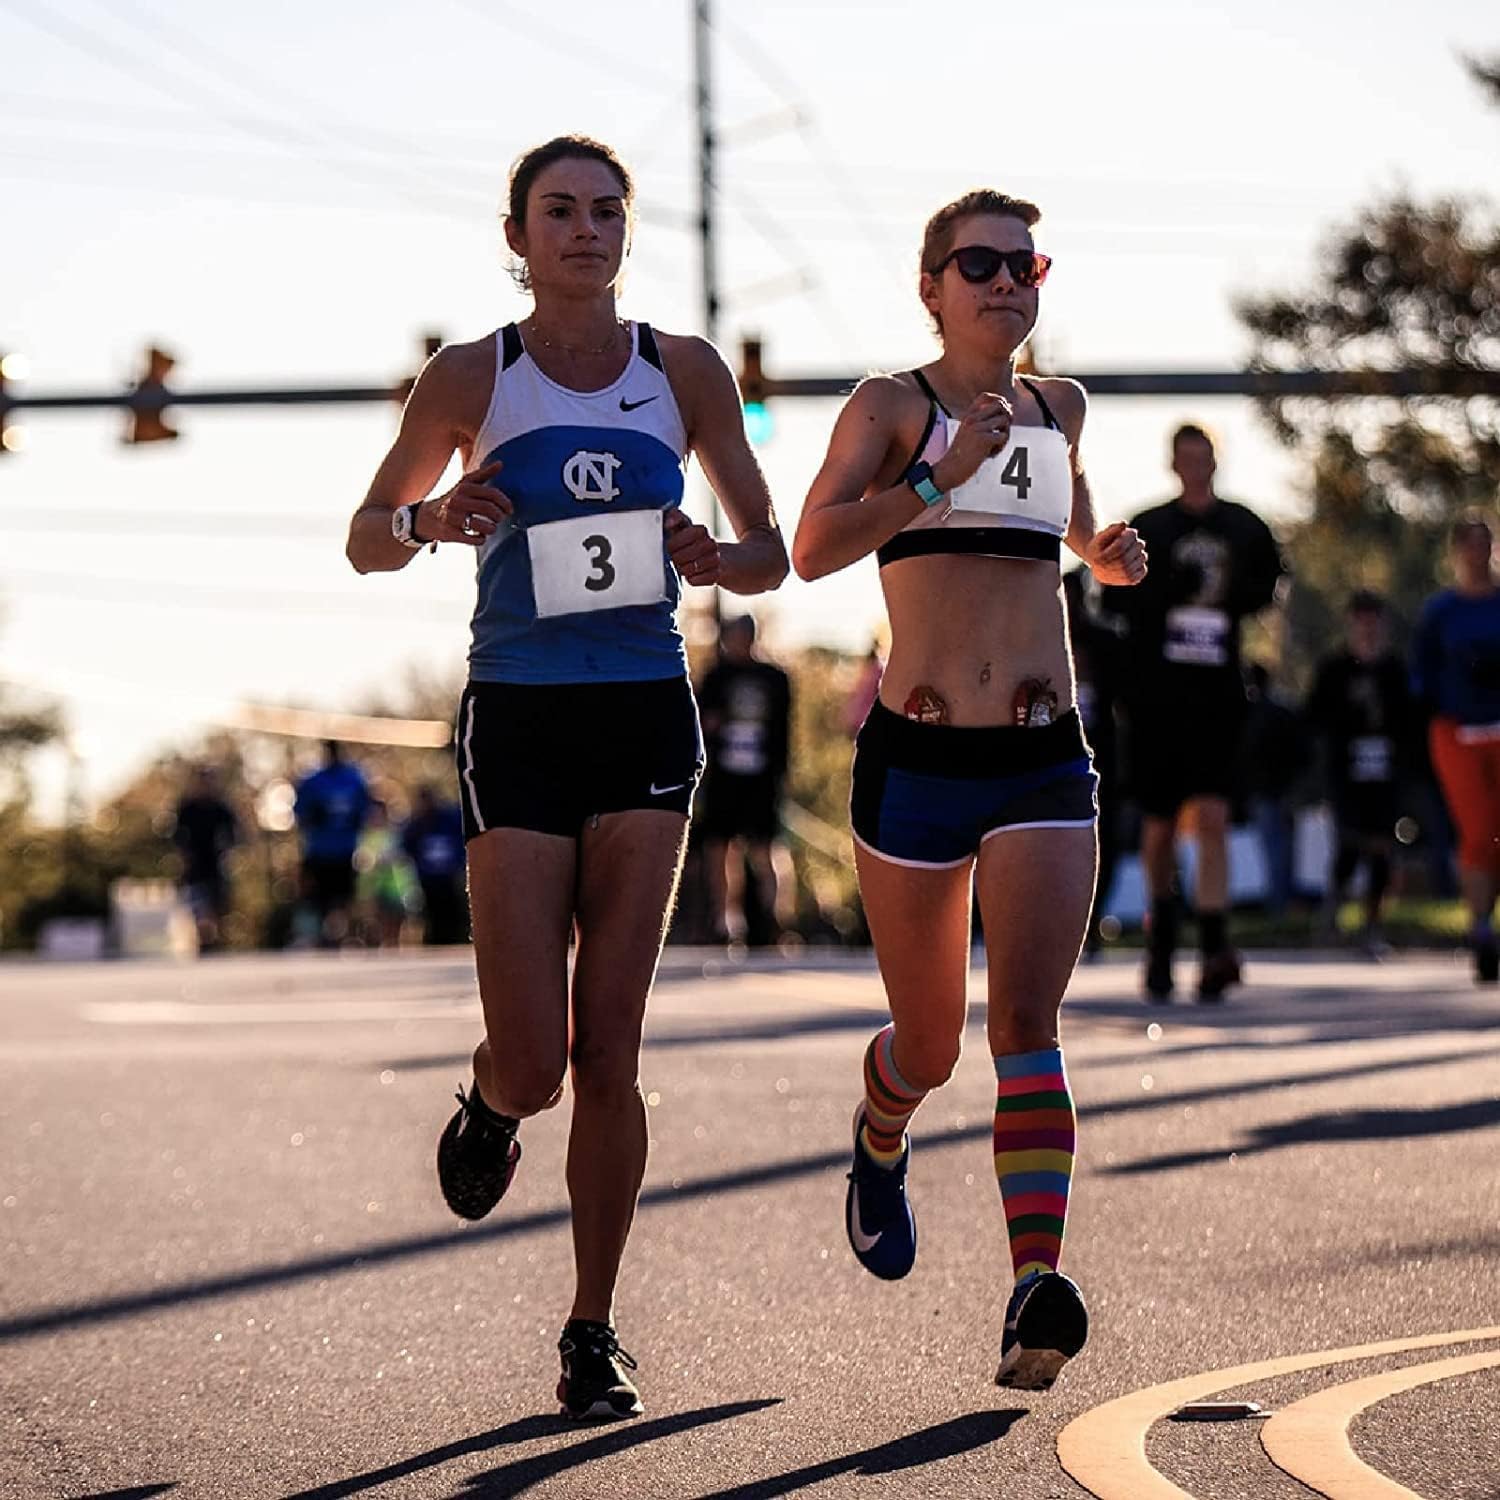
1158	854
521	889
628	869
716	870
1211	817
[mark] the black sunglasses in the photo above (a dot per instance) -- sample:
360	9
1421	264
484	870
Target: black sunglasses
981	263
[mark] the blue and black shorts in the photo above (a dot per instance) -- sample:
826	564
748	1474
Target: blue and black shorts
928	795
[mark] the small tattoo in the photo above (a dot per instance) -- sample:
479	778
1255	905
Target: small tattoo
925	706
1035	703
984	676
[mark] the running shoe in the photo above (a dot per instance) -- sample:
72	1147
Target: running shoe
594	1382
1046	1324
476	1156
1158	977
1220	970
1486	961
882	1231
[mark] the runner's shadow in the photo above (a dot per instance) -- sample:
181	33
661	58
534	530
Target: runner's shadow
946	1440
540	1466
1343	1125
139	1492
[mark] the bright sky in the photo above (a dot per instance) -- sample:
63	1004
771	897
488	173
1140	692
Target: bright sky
295	192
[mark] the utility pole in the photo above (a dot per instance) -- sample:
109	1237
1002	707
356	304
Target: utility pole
707	245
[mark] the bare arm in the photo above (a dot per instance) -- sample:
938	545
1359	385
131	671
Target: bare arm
438	420
709	401
1116	555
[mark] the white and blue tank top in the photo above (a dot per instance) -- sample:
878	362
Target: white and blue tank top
576	586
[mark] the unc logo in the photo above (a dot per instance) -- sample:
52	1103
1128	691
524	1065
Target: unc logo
591	476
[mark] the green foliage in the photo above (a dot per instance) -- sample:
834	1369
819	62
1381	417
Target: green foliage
1405	286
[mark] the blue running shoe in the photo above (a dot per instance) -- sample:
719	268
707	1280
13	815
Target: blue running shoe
882	1231
1046	1324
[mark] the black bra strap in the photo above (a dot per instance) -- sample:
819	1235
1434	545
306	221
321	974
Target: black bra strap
931	394
1041	401
649	351
511	346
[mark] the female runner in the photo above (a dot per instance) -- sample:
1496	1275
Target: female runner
963	478
577	739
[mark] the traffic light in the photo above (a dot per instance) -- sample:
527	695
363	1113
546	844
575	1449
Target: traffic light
148	399
759	424
12	434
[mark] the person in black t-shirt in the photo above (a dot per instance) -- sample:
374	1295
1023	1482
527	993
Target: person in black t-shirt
205	830
745	704
1214	563
1361	708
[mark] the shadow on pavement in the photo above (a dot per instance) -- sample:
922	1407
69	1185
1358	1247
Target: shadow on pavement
105	1309
140	1492
958	1435
1343	1125
513	1478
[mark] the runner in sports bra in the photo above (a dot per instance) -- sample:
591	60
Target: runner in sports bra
578	743
964	479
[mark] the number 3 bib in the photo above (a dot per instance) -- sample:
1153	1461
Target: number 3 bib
606	561
1028	483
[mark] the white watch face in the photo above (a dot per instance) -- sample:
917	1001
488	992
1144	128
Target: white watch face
401	524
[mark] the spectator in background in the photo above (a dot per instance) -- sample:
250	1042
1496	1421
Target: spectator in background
204	830
1274	755
1214	563
385	883
1456	680
1361	711
1096	665
331	807
434	842
745	704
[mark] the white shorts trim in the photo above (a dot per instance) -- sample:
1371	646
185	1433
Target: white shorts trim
912	864
466	775
1053	823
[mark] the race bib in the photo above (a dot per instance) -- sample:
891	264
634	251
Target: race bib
743	749
1371	758
1029	480
597	562
1196	636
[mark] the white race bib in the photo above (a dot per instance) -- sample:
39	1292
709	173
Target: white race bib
1371	758
607	561
1029	480
1197	636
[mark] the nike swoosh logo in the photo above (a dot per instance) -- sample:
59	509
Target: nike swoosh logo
863	1242
631	405
661	791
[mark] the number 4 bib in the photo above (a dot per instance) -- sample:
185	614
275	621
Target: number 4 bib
597	562
1029	482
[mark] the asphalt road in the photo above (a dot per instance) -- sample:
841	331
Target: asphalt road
225	1269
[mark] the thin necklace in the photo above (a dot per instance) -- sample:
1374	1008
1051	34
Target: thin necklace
603	348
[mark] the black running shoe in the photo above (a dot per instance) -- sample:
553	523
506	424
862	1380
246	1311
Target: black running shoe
1220	970
594	1383
476	1156
1486	961
877	1213
1046	1324
1158	976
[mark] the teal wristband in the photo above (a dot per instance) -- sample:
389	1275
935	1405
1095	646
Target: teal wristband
919	477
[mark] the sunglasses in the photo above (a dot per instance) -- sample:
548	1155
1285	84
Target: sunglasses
981	263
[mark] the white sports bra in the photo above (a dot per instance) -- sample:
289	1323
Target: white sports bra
1016	504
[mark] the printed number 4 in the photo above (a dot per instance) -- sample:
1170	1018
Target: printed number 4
604	574
1015	474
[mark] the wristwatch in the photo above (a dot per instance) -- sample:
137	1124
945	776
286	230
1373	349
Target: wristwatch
404	526
919	477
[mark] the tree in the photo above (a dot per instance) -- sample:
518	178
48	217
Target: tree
1405	286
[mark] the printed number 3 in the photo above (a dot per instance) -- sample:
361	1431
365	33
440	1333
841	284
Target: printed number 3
1015	473
604	574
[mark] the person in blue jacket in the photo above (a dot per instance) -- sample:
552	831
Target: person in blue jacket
331	807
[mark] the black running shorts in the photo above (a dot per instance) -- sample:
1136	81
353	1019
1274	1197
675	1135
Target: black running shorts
548	757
